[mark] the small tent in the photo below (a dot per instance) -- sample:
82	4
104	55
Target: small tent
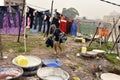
40	5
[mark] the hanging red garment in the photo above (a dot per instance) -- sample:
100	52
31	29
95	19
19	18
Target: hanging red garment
68	26
63	24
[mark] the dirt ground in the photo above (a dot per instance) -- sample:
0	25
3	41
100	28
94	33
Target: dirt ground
83	68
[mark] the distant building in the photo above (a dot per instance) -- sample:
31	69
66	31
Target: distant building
112	17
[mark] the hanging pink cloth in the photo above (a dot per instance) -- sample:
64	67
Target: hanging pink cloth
28	22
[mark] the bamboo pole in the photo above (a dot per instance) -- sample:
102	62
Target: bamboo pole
116	43
113	28
25	28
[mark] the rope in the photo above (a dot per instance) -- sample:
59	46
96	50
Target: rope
110	3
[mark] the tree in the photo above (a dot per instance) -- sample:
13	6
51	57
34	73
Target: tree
84	18
70	12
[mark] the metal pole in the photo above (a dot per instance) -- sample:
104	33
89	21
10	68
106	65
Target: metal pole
52	7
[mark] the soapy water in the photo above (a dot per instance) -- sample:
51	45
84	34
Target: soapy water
7	73
50	73
52	77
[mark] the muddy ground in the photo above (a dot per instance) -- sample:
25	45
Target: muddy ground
84	68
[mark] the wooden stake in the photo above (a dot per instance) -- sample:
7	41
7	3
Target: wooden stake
1	48
116	42
113	28
21	21
100	41
97	28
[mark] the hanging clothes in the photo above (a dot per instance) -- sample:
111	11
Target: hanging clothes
34	28
69	25
1	20
30	14
41	18
19	19
56	19
39	24
27	20
74	28
10	20
48	24
63	24
3	10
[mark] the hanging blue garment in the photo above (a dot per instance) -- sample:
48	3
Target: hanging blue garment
74	29
37	23
2	11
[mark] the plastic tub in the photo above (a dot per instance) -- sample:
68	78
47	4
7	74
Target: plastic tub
52	62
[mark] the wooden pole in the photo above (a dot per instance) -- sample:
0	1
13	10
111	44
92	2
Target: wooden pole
21	21
116	37
97	28
100	41
113	28
115	42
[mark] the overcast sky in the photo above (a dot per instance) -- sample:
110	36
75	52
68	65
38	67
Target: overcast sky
89	8
92	9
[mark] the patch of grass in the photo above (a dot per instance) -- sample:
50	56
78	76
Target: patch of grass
93	46
74	66
114	69
10	42
105	46
112	58
20	49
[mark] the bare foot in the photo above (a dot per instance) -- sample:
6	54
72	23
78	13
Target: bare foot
61	52
55	52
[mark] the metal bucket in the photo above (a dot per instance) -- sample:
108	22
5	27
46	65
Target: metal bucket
50	73
33	64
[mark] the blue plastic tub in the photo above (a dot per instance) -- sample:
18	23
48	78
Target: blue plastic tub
52	62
